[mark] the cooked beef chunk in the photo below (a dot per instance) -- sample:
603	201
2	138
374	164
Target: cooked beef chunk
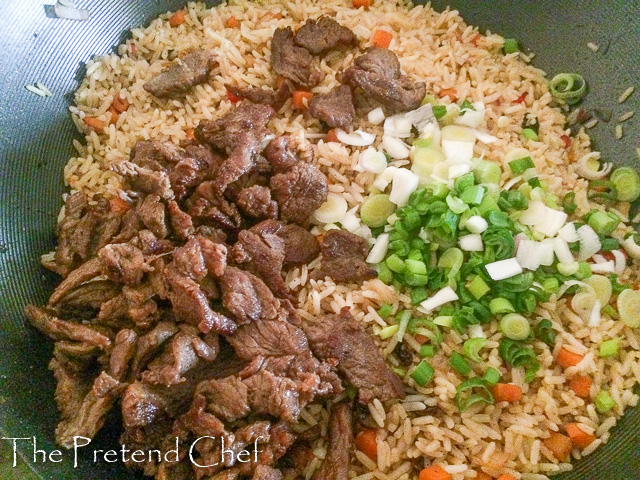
300	246
153	215
226	398
199	164
151	245
341	337
134	304
263	472
246	296
275	98
277	396
85	300
343	258
156	155
85	272
197	420
284	152
292	62
213	254
207	205
149	344
179	78
377	73
211	233
124	350
144	179
322	35
256	202
334	108
64	330
181	222
124	263
268	338
336	464
262	253
299	192
280	439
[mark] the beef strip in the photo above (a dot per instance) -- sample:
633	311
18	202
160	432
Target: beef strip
144	179
149	344
156	155
334	108
152	213
275	98
85	272
299	192
134	305
284	152
322	35
207	205
343	258
341	337
292	62
124	350
84	300
335	466
227	398
256	202
300	246
278	396
268	338
72	385
377	74
264	472
179	78
124	263
181	222
246	296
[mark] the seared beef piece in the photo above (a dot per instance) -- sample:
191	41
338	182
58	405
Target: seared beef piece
207	205
149	344
341	337
200	164
264	472
152	245
334	108
283	153
262	253
70	350
377	74
144	179
85	300
124	350
277	396
279	441
188	260
134	304
275	98
226	398
181	222
153	215
180	77
213	254
197	420
335	466
299	192
155	436
256	202
85	272
58	329
300	246
180	355
230	474
292	62
247	297
124	263
322	35
268	338
156	155
214	234
90	416
343	258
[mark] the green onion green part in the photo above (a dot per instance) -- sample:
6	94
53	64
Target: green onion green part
459	364
471	348
423	373
604	402
609	348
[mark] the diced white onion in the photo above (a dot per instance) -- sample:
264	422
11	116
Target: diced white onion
604	267
395	147
484	137
350	222
357	138
476	224
405	182
457	143
620	261
562	251
543	219
530	173
383	180
471	243
476	331
457	170
471	118
589	242
568	233
527	254
397	126
421	117
512	181
584	170
631	247
379	250
445	295
67	10
332	210
503	269
595	317
372	160
545	249
376	116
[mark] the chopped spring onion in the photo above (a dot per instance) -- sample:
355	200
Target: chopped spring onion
516	355
385	310
423	373
395	263
357	138
609	348
473	195
471	348
519	165
445	295
444	321
471	243
604	402
418	294
405	182
424	160
457	169
628	304
544	331
376	209
510	46
563	252
439	111
601	288
500	305
589	242
383	180
422	143
568	232
376	116
476	224
569	202
530	134
427	351
332	210
456	205
451	259
379	249
459	364
487	172
631	247
492	376
395	147
584	270
415	266
388	332
471	392
620	260
567	87
627	183
588	167
515	326
372	160
503	269
478	287
603	223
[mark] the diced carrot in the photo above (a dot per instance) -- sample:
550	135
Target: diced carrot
120	104
366	442
506	476
332	136
483	476
233	98
475	40
434	472
521	98
232	22
299	97
382	38
566	359
560	445
567	140
579	437
177	18
189	133
449	92
362	3
421	339
506	392
581	386
95	123
132	47
114	115
118	205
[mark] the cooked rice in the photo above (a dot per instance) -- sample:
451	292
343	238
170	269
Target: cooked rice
440	49
626	94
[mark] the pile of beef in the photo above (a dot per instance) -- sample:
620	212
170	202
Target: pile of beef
173	303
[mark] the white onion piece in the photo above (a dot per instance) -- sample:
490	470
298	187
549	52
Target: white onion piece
376	116
568	233
476	331
457	151
357	138
371	160
471	118
395	147
457	170
620	261
332	210
471	243
589	242
631	247
484	137
570	283
604	267
554	221
364	231
379	250
476	224
67	10
512	182
397	126
585	171
405	182
533	214
383	180
421	117
595	318
562	251
527	254
432	130
350	222
546	252
445	295
503	269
